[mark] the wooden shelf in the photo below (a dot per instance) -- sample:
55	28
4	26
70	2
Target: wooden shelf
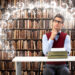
23	50
72	38
23	70
28	29
36	29
29	19
73	49
15	32
6	60
23	39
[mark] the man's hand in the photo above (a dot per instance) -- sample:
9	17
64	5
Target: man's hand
53	34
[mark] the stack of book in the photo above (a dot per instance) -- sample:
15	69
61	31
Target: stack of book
57	53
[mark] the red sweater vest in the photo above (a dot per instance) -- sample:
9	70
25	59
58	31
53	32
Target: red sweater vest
57	44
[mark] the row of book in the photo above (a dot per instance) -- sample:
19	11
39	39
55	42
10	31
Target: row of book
32	24
7	73
20	44
26	34
5	3
32	44
8	54
26	24
13	2
7	65
30	34
4	55
34	66
23	73
35	13
27	66
29	53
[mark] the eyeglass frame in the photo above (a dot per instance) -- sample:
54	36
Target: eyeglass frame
59	22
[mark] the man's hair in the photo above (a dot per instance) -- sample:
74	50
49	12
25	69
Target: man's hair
59	16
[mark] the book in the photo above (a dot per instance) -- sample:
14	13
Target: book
39	13
35	34
13	43
20	24
26	13
4	55
44	13
18	44
1	65
0	45
32	44
25	73
41	34
29	24
24	65
57	54
39	45
0	73
15	34
3	4
9	34
28	34
25	45
24	35
10	24
0	55
46	24
25	24
13	73
21	44
28	66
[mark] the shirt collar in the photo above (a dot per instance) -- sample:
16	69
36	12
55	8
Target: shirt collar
59	31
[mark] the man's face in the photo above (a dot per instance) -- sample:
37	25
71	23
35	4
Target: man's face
57	23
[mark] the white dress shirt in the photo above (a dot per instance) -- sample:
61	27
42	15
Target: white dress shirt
47	44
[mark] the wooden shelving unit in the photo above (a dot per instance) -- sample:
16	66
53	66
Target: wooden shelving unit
25	35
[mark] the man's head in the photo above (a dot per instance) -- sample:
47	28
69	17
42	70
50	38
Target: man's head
58	22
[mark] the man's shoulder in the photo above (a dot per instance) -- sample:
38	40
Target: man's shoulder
48	33
63	33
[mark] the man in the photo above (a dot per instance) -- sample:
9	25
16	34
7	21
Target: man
56	39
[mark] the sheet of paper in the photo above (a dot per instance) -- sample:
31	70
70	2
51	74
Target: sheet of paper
58	49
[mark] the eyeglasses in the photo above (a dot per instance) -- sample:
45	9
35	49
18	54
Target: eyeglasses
60	22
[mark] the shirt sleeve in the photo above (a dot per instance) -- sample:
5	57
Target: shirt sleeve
67	44
46	44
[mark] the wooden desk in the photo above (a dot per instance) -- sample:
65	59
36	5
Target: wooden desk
18	61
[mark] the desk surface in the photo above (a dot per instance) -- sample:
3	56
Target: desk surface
41	59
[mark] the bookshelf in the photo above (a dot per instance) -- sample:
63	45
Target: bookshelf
24	32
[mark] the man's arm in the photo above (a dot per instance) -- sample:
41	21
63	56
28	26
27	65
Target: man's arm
67	44
46	44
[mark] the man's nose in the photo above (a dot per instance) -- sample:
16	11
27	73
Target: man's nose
57	23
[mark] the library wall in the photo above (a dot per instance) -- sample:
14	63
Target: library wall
21	31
